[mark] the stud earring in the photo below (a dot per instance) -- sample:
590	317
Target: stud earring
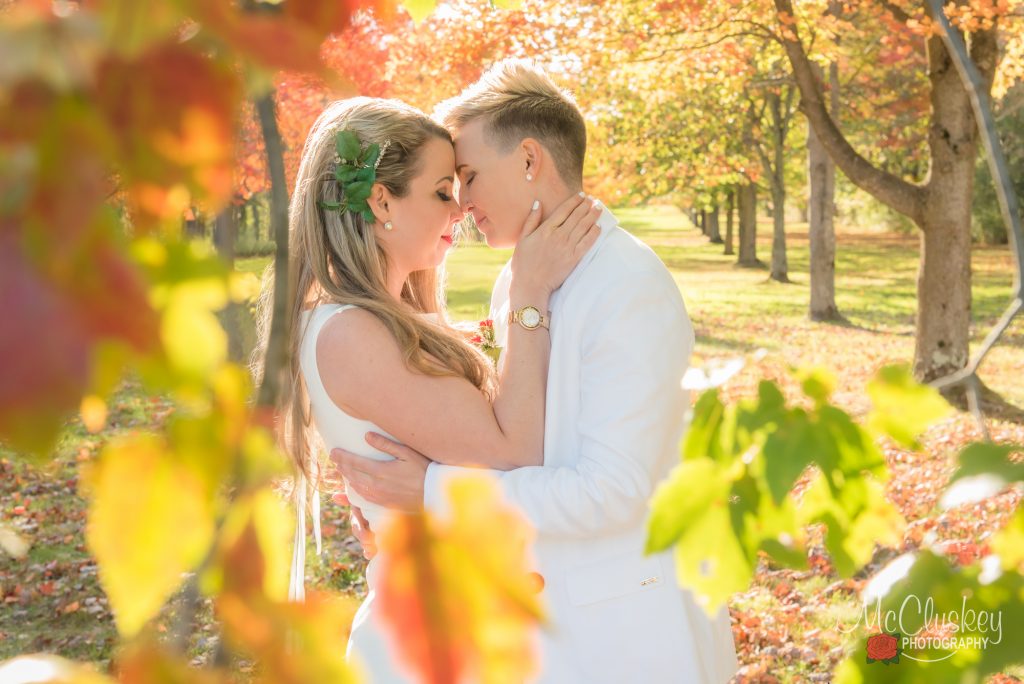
388	225
529	176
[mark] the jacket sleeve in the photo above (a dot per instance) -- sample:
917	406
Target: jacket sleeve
636	348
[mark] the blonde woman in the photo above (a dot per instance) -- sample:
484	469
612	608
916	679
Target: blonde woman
372	217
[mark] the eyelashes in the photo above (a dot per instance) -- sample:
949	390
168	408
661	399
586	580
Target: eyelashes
444	197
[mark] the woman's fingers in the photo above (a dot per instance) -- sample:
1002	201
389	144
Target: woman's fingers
578	224
533	219
578	214
564	210
588	239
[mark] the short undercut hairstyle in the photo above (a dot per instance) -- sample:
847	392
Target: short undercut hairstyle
517	100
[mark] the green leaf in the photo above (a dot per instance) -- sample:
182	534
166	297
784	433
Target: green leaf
150	520
366	175
849	451
1008	543
346	174
710	561
368	216
788	451
985	470
982	457
858	516
357	192
681	499
347	145
691	509
817	383
703	433
334	206
903	408
372	154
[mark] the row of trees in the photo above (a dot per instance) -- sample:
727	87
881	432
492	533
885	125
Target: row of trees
712	105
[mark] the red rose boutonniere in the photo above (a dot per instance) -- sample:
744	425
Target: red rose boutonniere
485	339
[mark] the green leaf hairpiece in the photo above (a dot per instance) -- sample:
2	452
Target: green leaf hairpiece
355	171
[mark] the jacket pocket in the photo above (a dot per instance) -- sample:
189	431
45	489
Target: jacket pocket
613	577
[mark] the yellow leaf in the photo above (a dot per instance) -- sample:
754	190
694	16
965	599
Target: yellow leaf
254	557
150	520
457	593
193	338
294	643
244	287
94	412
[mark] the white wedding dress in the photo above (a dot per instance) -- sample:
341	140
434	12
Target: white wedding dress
369	646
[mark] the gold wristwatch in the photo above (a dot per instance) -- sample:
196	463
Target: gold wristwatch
529	317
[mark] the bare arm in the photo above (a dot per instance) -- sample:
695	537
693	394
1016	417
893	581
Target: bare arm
447	418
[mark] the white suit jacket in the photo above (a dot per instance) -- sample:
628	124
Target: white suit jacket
620	344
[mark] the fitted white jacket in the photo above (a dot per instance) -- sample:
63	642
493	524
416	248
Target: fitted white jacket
620	343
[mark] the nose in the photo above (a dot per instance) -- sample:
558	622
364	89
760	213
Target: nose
457	213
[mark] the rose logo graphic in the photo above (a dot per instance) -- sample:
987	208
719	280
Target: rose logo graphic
884	648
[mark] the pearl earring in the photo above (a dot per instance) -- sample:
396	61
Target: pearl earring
529	176
388	225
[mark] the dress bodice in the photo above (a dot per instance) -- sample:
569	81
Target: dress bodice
337	429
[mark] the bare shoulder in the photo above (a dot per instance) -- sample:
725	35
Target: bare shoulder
348	323
355	352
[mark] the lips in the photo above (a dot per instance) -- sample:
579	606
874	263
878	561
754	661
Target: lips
448	238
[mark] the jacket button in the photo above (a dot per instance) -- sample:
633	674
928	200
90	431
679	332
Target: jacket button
536	581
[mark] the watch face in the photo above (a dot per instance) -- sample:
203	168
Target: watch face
531	317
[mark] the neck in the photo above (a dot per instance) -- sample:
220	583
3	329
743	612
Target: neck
396	281
553	198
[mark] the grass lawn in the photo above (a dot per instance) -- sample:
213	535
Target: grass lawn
785	625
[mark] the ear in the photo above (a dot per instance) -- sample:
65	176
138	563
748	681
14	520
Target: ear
378	202
534	156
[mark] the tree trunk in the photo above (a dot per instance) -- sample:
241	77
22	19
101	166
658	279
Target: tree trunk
714	234
244	221
278	354
944	274
940	206
821	176
728	221
777	172
780	265
748	225
703	222
256	223
225	233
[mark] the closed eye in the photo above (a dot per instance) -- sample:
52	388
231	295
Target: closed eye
444	197
469	181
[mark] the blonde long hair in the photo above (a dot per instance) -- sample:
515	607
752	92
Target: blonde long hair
335	258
